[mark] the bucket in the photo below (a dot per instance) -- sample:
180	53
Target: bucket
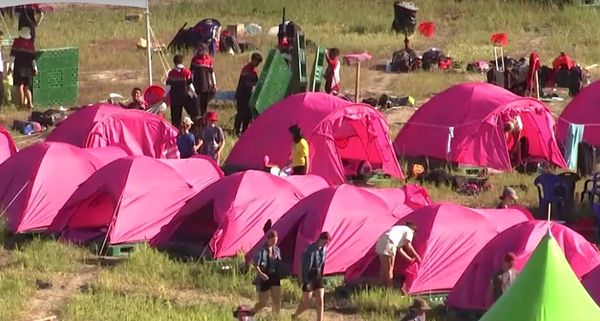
154	95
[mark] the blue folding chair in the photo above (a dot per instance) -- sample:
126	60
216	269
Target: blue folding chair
591	191
551	190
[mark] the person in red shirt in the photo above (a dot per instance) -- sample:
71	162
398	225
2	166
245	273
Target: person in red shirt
204	79
563	61
137	100
332	74
248	79
181	91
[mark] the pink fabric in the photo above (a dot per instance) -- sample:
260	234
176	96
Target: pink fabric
348	213
591	282
470	291
583	109
307	184
132	198
38	181
230	214
199	172
108	154
475	110
403	201
357	57
334	128
448	237
7	145
100	125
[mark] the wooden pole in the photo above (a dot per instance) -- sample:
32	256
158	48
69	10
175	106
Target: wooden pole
537	85
357	83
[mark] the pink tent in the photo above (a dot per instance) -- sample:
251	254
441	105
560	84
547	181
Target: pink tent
100	125
448	237
471	290
230	214
130	199
7	145
199	172
583	109
37	181
340	134
403	201
464	124
353	216
591	282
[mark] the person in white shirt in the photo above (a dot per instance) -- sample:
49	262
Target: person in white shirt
395	240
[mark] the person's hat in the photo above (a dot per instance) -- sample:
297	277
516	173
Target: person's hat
510	257
242	309
509	192
25	33
187	121
420	304
212	116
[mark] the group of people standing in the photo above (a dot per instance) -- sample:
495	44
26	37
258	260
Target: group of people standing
21	61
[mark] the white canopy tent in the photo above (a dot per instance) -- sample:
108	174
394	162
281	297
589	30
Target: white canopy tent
123	3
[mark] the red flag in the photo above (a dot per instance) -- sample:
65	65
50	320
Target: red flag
500	39
427	29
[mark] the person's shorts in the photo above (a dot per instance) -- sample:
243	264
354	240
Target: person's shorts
313	285
299	170
385	246
23	80
264	286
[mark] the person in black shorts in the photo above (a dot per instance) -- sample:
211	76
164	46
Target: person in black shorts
311	276
267	263
22	57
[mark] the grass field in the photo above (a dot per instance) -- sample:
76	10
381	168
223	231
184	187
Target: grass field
43	278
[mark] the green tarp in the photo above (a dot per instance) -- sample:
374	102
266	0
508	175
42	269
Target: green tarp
545	290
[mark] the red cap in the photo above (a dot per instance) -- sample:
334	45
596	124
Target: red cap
510	257
212	116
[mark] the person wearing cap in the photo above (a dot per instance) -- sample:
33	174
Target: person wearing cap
502	280
243	93
243	313
24	67
212	140
186	143
267	263
397	239
508	197
312	265
181	91
300	152
417	311
204	79
137	100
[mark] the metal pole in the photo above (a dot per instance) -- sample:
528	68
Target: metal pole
149	43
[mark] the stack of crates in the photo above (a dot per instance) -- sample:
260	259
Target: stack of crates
273	83
318	73
57	81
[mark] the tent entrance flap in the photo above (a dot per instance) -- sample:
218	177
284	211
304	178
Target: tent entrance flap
355	143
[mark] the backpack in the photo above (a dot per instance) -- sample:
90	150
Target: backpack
404	61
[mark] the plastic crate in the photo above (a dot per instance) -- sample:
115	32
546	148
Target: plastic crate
58	77
273	83
316	77
299	81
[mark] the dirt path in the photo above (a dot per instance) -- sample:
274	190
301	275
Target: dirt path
47	300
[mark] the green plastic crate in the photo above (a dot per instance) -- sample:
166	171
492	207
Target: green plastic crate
316	78
299	80
58	76
273	83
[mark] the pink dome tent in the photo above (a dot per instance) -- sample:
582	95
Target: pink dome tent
464	124
7	145
129	200
403	201
340	134
470	292
584	109
448	237
591	282
35	183
199	172
100	125
230	214
353	216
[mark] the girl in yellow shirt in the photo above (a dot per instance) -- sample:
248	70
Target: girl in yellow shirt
299	152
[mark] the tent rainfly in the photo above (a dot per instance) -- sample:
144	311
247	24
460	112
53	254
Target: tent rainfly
144	4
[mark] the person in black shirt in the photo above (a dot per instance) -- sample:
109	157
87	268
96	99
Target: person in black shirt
248	79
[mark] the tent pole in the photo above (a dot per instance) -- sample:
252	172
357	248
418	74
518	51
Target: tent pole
149	43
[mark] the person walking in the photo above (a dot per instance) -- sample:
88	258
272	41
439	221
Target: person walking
204	79
267	264
393	241
300	152
243	94
311	276
212	140
181	91
24	67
